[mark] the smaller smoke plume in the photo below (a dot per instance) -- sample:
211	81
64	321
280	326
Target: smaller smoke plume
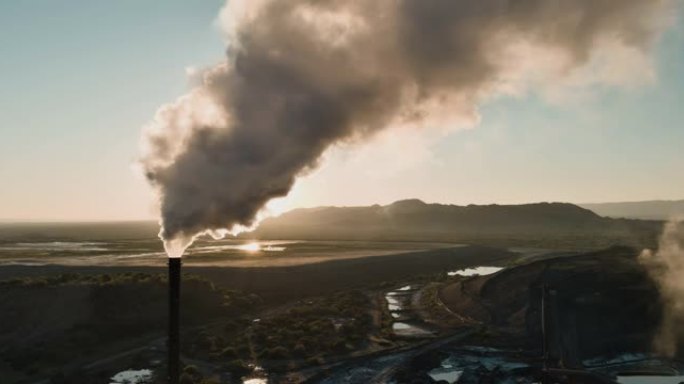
666	266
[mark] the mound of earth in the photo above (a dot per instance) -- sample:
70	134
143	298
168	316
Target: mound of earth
596	304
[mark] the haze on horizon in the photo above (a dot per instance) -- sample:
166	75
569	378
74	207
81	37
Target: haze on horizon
81	78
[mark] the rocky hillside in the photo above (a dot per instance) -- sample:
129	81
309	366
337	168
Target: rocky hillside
416	220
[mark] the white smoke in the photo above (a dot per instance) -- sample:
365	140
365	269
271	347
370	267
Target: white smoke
666	266
301	76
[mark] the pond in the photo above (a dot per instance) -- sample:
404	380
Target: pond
650	379
257	380
471	363
141	376
638	368
402	312
445	373
477	271
258	375
410	330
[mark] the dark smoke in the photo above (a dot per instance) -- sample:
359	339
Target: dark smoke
301	75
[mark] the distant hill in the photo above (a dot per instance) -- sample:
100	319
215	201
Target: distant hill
647	210
416	220
541	224
105	231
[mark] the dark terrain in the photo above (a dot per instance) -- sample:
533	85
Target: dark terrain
287	283
549	225
328	318
79	315
600	303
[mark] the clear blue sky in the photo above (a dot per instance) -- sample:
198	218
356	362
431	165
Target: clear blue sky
80	78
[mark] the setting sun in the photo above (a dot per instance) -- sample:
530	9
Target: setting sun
251	247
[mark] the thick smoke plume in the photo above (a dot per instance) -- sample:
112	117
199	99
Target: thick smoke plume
303	75
666	266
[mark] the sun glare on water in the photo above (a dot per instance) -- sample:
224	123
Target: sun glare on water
250	247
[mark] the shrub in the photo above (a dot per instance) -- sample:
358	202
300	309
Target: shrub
300	349
236	367
186	379
229	353
277	353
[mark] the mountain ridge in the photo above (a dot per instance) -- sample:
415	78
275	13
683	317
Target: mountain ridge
413	219
644	210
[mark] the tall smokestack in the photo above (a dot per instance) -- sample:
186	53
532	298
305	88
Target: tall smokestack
174	319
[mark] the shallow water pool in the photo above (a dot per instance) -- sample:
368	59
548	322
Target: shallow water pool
131	376
477	271
650	379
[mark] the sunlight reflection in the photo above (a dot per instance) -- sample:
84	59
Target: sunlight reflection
250	247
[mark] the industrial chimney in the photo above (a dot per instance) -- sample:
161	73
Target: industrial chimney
174	320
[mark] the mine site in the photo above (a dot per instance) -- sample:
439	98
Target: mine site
367	310
342	192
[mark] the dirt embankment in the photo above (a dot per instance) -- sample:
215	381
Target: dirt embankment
294	282
81	319
597	303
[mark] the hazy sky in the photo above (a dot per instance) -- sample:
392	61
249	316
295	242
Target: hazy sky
80	78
